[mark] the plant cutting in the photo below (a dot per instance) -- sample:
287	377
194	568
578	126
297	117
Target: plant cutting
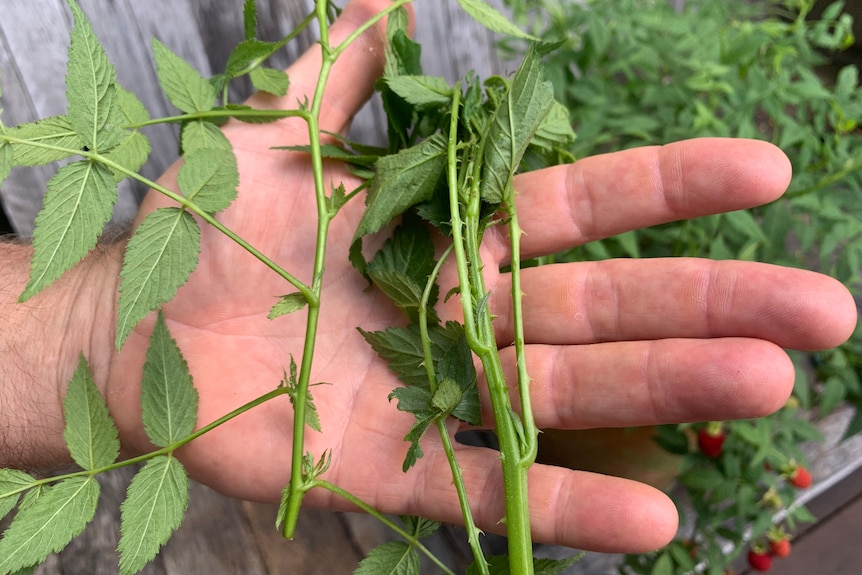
451	162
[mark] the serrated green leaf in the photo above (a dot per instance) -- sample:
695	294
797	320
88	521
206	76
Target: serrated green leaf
401	348
401	268
447	396
288	304
154	507
499	565
270	80
49	523
492	19
199	134
518	117
169	400
12	482
159	259
182	84
91	87
555	129
456	364
419	527
209	178
54	131
392	558
312	419
134	148
248	54
554	566
421	91
249	19
90	433
78	203
403	180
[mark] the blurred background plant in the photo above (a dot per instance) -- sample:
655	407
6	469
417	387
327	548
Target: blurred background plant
644	72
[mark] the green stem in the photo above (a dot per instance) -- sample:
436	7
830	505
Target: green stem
461	488
458	224
409	537
480	336
531	432
220	114
457	476
296	488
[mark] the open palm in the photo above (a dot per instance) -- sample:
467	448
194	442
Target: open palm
615	343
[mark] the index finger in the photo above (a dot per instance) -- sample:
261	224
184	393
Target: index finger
600	196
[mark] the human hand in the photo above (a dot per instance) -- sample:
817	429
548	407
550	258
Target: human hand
617	343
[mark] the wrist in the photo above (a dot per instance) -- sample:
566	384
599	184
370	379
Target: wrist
40	342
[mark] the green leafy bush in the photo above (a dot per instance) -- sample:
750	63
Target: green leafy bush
644	72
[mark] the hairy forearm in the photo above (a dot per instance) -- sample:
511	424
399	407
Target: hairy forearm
40	342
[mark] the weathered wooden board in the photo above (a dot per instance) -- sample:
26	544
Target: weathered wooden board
220	536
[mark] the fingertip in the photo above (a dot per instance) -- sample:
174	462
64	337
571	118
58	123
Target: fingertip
840	315
740	173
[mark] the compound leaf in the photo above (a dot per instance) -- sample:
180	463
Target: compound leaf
12	481
156	501
492	19
49	523
182	84
169	400
518	117
403	180
78	203
54	131
270	80
91	87
209	178
199	134
392	558
90	433
159	259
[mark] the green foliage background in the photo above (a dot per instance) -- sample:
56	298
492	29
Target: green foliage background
639	72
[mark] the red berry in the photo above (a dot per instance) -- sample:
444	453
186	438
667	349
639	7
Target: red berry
710	443
759	560
800	478
780	547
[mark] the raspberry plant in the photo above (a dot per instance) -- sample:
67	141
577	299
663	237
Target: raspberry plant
452	155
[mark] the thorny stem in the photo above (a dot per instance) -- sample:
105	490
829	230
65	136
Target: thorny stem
481	333
531	433
457	475
296	488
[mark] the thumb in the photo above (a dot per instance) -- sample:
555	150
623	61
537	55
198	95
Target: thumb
352	78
